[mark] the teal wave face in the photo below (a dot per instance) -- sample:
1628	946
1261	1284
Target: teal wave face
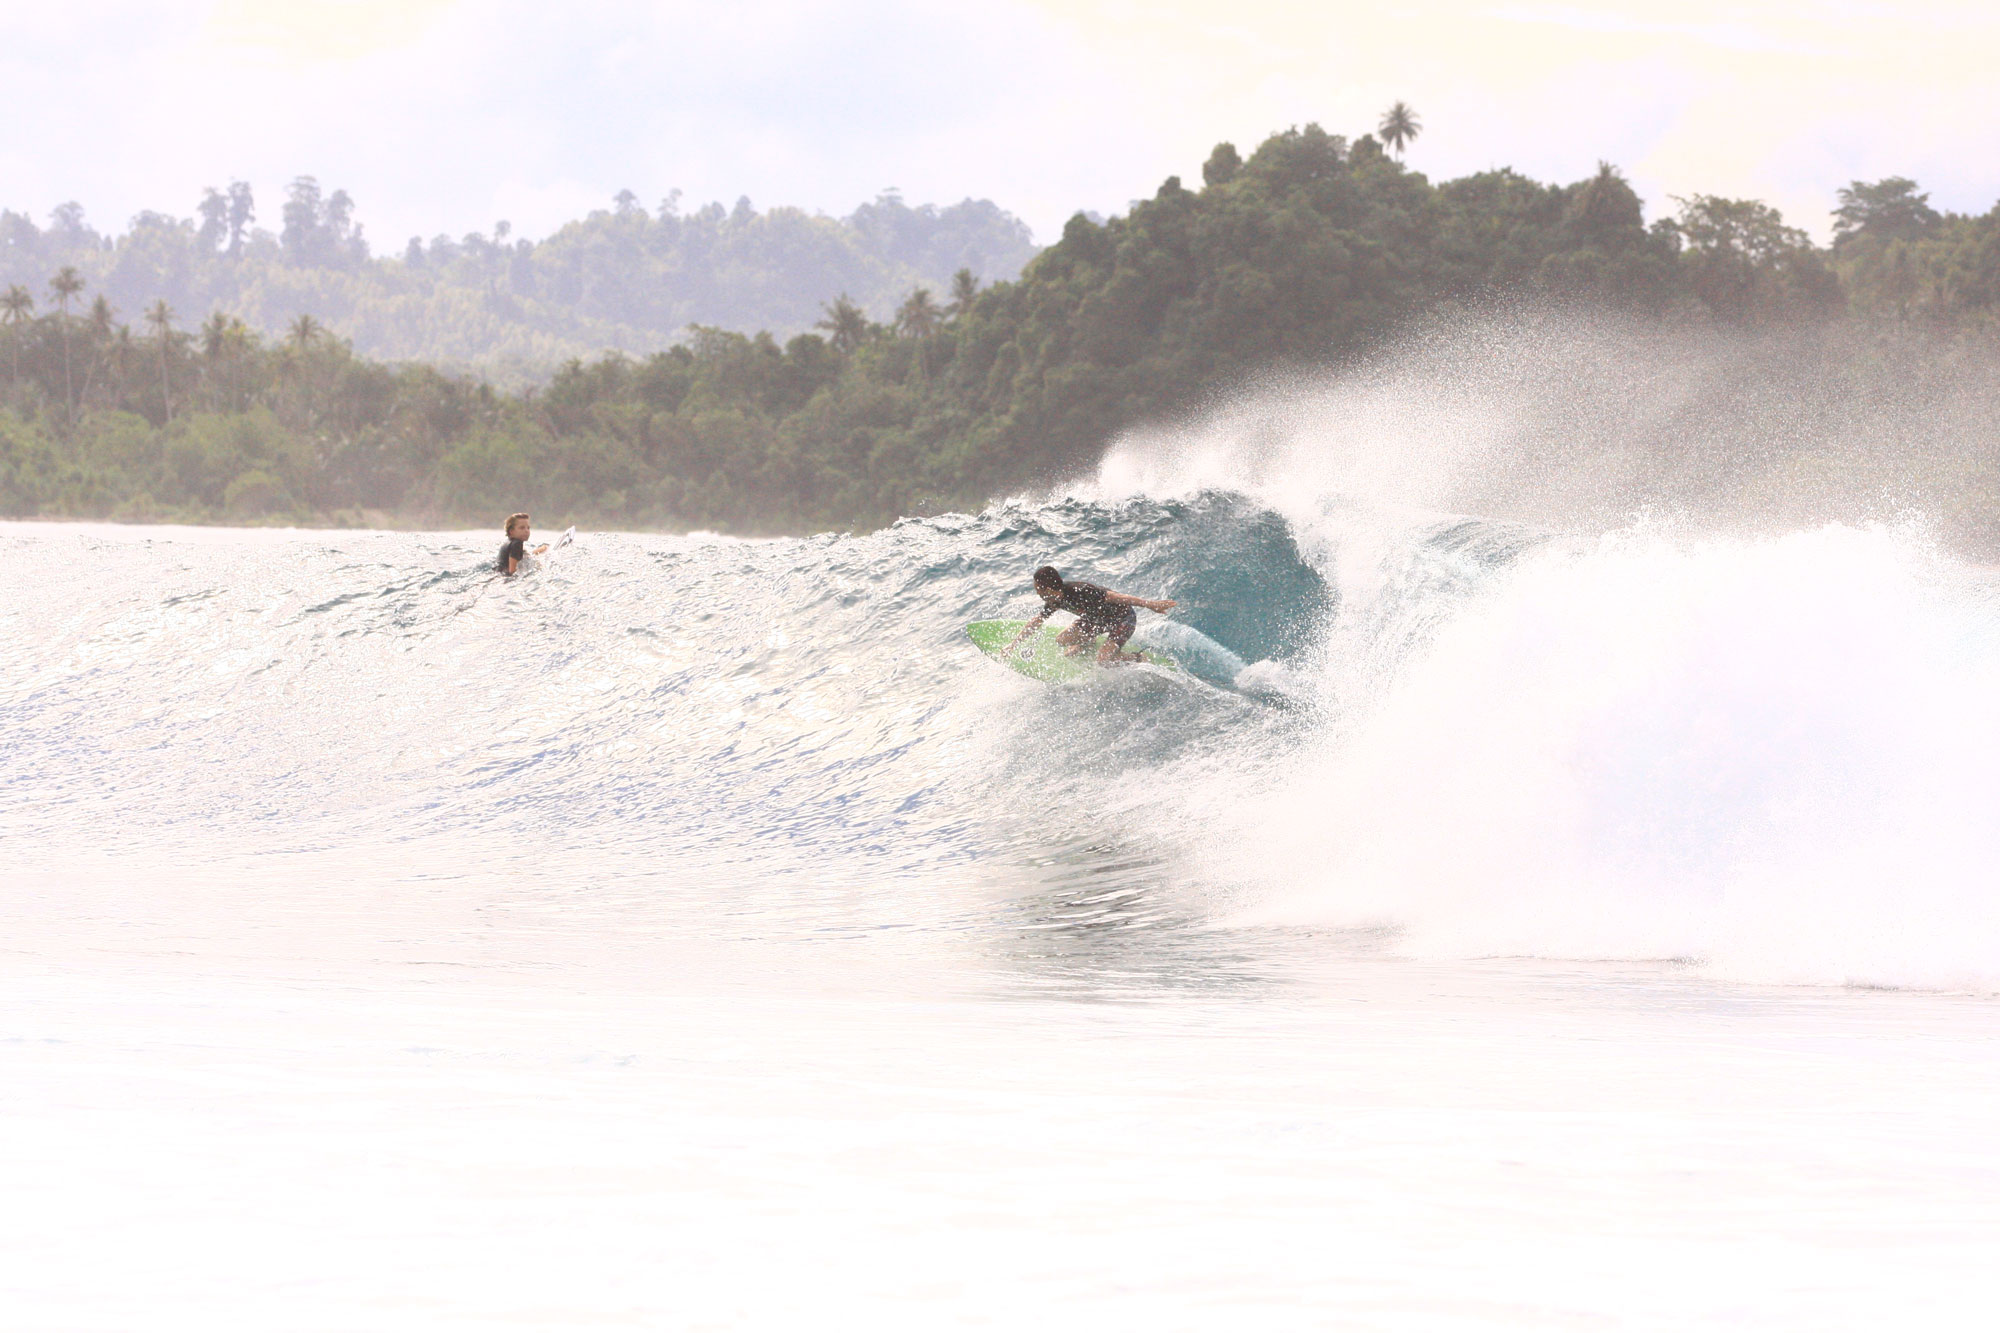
730	709
1235	568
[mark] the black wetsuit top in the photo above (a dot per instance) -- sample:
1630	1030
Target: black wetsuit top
1086	601
517	549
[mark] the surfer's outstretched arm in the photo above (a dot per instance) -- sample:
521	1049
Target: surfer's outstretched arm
1127	599
1033	624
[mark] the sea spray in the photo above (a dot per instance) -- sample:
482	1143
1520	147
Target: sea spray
1779	757
1643	640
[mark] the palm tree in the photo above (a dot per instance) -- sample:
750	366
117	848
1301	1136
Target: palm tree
103	324
304	332
119	352
65	285
161	318
964	288
18	306
1399	126
214	335
918	316
846	323
220	335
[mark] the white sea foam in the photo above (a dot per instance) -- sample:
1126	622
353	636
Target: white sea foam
1780	757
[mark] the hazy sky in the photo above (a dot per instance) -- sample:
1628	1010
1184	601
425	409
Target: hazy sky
445	115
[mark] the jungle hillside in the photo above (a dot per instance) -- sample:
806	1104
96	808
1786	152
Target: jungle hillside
626	278
150	397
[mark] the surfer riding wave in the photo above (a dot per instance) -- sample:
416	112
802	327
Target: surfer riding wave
1099	612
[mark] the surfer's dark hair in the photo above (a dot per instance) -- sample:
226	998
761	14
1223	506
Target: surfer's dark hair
1047	577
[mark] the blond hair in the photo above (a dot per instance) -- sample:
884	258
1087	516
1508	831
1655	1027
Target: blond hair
512	519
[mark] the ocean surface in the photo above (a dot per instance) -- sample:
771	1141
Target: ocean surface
1494	927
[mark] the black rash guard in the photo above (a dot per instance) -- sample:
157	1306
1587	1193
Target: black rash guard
516	549
1094	614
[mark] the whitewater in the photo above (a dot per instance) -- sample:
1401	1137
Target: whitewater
1496	926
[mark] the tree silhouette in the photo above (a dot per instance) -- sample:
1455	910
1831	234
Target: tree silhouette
1890	209
214	335
102	324
1604	207
1744	263
918	316
65	285
115	354
339	231
1222	166
964	290
303	332
846	324
215	340
227	346
303	234
242	212
160	317
17	306
214	212
1399	126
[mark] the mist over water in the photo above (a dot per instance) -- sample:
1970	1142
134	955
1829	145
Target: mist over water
1769	756
1577	421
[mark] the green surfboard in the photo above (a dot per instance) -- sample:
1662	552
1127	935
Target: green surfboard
1039	656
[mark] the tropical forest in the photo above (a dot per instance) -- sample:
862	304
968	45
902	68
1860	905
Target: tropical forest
781	372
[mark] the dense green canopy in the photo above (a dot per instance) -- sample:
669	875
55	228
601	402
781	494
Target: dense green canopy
621	278
1306	253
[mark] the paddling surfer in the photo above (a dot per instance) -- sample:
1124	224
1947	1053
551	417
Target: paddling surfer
1098	611
516	550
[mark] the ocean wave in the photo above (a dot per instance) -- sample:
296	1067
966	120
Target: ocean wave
1775	757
